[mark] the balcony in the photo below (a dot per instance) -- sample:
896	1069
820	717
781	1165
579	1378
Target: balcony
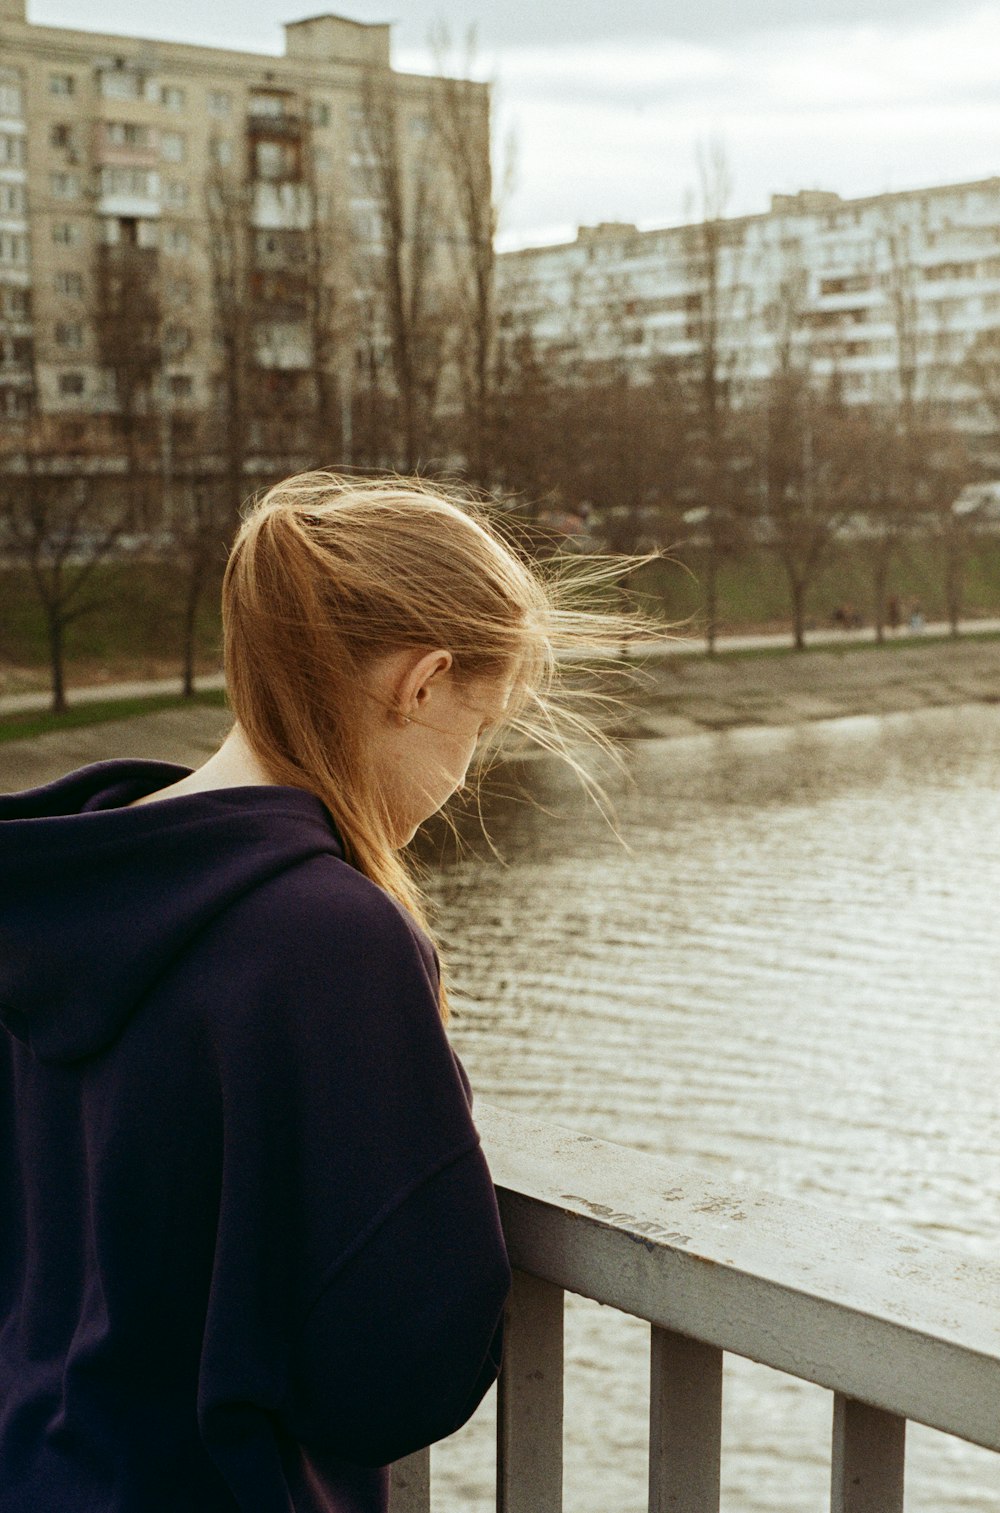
286	127
893	1327
126	144
128	193
281	206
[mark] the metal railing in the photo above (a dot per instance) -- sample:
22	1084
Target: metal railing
895	1328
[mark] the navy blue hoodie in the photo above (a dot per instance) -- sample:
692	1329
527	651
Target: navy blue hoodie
249	1246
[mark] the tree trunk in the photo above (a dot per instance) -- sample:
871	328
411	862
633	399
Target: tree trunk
57	663
953	579
711	597
798	590
192	600
880	581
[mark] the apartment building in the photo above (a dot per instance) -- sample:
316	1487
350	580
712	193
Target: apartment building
888	292
121	158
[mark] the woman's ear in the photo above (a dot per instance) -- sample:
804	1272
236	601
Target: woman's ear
419	678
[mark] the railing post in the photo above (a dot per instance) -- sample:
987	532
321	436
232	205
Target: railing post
410	1484
685	1424
869	1452
530	1400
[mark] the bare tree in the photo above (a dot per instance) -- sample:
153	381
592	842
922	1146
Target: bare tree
714	478
463	117
200	532
230	253
128	328
981	370
57	523
401	173
806	439
330	316
896	438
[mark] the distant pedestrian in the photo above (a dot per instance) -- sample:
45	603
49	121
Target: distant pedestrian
917	621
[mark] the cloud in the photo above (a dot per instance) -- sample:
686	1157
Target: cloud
853	95
609	131
529	23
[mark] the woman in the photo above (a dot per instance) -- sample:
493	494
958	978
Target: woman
249	1246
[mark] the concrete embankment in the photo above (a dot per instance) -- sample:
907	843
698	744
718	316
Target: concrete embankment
674	696
683	695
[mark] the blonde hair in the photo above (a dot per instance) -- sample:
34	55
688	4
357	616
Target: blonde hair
329	573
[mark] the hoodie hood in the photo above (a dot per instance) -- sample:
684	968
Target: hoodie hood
98	900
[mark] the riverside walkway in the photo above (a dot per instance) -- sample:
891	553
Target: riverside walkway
678	693
678	646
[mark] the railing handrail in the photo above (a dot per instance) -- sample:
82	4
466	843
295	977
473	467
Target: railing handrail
875	1315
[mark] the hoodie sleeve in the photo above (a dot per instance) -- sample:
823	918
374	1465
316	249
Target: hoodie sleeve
406	1339
359	1274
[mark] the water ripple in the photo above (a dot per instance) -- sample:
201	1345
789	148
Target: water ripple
791	976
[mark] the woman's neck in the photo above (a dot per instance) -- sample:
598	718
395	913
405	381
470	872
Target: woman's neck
232	766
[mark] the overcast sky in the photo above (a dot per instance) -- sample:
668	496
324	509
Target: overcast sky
608	100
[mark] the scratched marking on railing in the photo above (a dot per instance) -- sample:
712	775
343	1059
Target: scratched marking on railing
642	1231
726	1208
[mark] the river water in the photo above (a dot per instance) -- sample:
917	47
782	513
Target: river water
789	974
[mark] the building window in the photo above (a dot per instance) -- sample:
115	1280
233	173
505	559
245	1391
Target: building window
13	199
361	179
13	249
66	233
71	383
15	302
267	105
221	151
177	240
120	84
172	147
11	98
176	339
62	84
181	385
69	283
319	113
64	186
360	128
136	182
127	134
12	154
175	194
220	102
274	160
420	126
172	97
69	334
60	135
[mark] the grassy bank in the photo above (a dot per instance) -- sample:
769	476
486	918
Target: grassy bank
753	590
24	727
134	629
